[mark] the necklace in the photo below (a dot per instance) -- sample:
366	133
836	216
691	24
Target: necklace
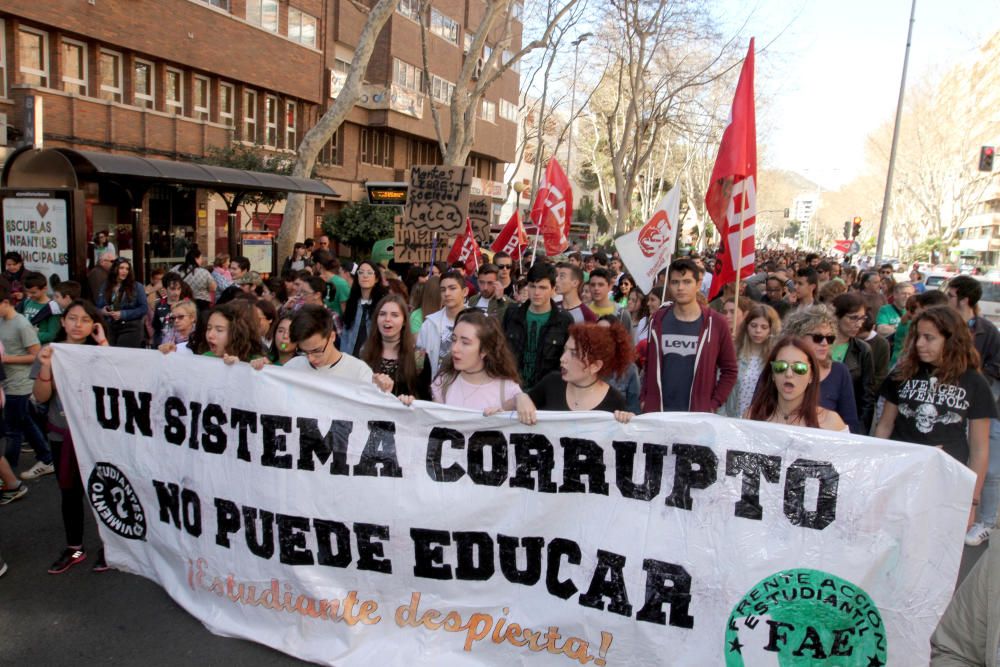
585	386
575	403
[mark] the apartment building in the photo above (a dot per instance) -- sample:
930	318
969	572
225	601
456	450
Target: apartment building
171	79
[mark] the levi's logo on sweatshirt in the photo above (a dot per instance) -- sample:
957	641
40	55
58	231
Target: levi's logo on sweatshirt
678	344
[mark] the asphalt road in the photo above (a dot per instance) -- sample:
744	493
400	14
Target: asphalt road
80	617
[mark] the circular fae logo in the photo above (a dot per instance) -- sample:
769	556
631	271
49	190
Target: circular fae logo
805	617
653	234
115	501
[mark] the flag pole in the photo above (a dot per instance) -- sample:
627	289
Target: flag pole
739	271
534	249
434	245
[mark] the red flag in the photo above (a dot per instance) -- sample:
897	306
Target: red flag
843	246
466	249
553	208
512	239
731	199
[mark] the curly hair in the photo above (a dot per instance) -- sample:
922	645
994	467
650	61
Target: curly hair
808	320
406	380
498	362
611	345
757	311
958	356
244	339
765	398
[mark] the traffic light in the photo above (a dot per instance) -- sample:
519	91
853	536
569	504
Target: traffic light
856	229
986	158
847	229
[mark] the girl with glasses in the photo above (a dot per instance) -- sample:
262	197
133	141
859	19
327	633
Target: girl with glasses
789	390
754	337
816	328
366	291
849	310
937	396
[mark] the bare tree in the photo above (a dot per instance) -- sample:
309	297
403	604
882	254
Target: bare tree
314	140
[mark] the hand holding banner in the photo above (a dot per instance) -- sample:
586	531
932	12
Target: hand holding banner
647	250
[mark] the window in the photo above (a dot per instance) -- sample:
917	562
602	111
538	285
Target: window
226	103
441	90
489	111
330	153
301	27
270	120
263	13
515	66
202	98
424	152
291	123
338	76
406	75
376	147
74	67
467	42
221	4
142	82
410	9
33	54
3	59
508	110
250	116
173	95
518	10
111	75
444	26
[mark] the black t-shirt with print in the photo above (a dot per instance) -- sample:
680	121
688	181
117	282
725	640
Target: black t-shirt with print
935	413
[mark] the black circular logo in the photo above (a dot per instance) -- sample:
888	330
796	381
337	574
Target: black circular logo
115	501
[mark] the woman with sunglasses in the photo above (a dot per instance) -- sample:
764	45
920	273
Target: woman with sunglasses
937	396
815	326
790	388
849	310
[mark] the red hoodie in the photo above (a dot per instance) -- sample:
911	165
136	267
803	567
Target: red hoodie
715	366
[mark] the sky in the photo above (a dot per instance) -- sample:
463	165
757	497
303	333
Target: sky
832	69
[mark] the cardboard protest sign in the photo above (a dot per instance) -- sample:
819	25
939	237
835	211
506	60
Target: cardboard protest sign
411	244
438	199
327	520
481	214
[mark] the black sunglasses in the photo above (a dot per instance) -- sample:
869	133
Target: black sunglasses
819	338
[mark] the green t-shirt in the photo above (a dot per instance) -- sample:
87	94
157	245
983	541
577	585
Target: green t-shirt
898	340
888	314
337	294
535	323
838	352
416	320
48	328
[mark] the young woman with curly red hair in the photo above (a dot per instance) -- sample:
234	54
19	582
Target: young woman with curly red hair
593	354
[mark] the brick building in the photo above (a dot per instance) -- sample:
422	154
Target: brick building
171	79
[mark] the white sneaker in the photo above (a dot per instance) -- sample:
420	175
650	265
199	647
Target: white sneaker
977	535
38	470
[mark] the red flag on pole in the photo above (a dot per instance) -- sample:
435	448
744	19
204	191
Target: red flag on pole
465	249
511	239
731	199
553	209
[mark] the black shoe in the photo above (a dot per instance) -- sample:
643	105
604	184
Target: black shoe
70	557
101	565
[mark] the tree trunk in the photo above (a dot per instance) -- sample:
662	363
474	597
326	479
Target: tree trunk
319	134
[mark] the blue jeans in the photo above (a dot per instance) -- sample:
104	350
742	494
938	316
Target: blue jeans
990	497
20	425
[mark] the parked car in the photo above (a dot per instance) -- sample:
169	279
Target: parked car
989	304
935	279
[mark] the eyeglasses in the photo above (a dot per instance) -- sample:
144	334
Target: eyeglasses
820	338
315	353
854	318
781	367
504	266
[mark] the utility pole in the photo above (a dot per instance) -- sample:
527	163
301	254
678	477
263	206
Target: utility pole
886	200
572	103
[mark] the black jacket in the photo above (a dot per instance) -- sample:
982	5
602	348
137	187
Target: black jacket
551	341
986	338
861	364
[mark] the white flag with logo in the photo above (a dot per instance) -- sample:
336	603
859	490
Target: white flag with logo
647	250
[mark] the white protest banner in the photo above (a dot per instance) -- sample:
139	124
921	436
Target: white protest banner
330	522
647	250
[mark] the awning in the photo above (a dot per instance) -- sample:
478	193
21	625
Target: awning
220	179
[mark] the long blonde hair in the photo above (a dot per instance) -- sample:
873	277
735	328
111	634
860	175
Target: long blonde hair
756	311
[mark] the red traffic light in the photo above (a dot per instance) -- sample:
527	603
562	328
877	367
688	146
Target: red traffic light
986	154
857	219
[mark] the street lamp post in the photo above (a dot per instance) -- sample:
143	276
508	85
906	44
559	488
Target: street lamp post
572	103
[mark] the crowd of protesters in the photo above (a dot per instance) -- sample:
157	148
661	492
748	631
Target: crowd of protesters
805	341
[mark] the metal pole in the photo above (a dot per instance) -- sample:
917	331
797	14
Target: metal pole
895	140
572	103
